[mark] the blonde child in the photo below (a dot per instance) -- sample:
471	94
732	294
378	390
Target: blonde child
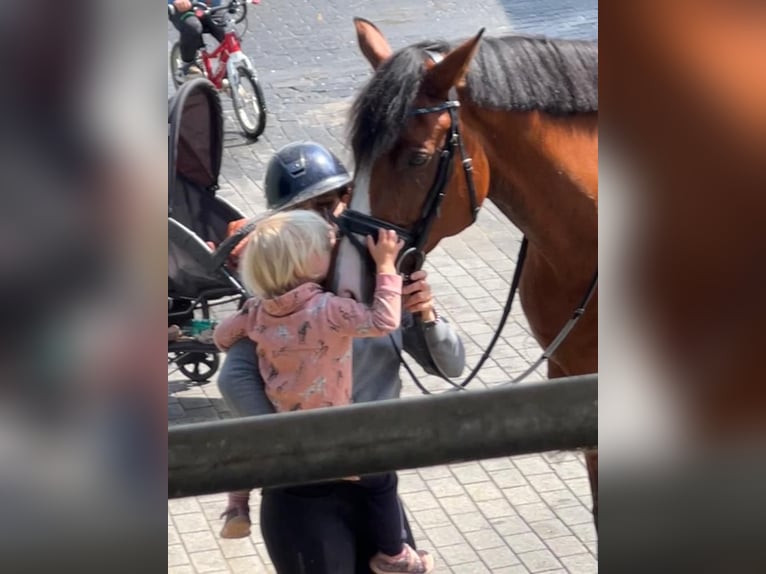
304	336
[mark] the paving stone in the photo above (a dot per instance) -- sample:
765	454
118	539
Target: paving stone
183	506
482	491
483	539
470	521
585	531
444	535
521	495
526	542
173	537
510	478
569	469
549	528
575	515
434	472
508	525
560	498
468	474
209	561
474	568
447	486
411	483
177	555
548	482
495	508
193	522
197	541
499	557
535	512
458	505
431	517
539	561
458	554
423	500
234	548
518	569
493	464
247	565
580	563
565	545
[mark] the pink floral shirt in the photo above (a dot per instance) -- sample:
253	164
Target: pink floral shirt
304	340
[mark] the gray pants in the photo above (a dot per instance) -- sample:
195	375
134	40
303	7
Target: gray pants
239	383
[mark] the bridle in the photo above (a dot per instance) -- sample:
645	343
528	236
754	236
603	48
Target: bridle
412	256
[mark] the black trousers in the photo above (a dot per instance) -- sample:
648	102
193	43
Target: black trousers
191	28
332	528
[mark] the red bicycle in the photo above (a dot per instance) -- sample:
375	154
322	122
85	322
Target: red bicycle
233	74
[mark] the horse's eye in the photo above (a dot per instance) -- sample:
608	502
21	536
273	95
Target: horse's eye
419	158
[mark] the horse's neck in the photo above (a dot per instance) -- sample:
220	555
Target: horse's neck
544	178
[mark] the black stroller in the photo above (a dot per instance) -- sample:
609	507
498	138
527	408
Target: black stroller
198	277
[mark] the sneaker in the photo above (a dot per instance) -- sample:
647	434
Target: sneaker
236	523
190	70
408	562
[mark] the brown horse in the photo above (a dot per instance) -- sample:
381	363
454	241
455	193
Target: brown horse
528	114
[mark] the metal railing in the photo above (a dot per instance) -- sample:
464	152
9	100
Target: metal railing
316	445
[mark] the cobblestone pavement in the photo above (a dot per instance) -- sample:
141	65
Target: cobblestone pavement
505	516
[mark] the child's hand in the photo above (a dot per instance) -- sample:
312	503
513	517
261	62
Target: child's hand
384	252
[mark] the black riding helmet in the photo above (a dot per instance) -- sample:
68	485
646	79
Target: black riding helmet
301	171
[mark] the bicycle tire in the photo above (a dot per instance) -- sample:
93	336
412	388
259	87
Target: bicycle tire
254	129
175	59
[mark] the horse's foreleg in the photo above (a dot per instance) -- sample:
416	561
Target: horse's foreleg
591	462
591	455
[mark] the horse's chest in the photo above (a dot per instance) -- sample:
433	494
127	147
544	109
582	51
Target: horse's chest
549	299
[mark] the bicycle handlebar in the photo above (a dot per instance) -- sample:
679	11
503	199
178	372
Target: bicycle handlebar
212	9
204	7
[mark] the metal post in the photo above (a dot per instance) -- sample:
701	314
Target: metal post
310	446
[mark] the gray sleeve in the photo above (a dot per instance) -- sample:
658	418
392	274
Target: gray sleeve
240	382
433	346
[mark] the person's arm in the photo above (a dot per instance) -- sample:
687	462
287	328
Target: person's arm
345	316
430	340
435	346
233	328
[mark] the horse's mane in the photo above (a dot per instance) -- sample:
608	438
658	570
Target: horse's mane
509	73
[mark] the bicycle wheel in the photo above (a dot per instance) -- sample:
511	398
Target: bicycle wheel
249	103
198	367
175	65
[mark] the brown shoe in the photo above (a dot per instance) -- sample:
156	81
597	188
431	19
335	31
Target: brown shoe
236	523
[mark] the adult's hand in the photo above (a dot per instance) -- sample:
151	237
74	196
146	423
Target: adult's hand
417	298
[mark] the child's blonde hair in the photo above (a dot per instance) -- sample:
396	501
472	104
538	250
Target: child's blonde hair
282	250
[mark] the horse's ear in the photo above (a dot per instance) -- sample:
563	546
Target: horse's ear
451	71
371	42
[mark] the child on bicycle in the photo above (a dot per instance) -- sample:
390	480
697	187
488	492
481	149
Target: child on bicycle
304	337
191	27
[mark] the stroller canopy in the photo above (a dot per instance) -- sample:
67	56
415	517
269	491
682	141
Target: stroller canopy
195	137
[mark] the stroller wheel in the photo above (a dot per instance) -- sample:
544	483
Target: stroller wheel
198	367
